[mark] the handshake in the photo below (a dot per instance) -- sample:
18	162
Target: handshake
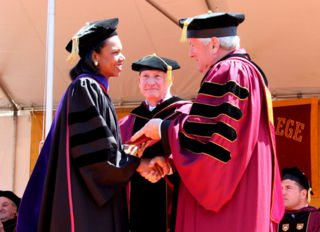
151	169
154	169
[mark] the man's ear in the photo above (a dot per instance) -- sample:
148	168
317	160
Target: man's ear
304	193
215	44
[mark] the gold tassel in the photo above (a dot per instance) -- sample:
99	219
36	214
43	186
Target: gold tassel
184	30
309	194
169	75
169	69
75	49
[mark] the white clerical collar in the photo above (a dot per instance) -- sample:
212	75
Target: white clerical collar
151	108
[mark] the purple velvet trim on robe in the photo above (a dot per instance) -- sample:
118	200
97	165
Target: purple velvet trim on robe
30	206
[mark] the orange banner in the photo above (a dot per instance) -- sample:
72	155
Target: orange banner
296	129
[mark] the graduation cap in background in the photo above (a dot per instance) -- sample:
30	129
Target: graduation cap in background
296	175
10	195
154	62
209	25
90	35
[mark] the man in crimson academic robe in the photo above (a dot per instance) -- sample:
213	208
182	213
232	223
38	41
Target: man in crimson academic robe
299	215
150	203
224	148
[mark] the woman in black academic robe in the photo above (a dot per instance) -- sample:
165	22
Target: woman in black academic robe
86	170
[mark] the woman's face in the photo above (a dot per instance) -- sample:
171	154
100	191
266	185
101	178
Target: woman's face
110	58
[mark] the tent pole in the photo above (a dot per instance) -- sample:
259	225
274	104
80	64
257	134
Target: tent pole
14	149
165	13
50	64
209	5
15	108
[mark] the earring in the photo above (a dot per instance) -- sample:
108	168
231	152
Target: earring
95	63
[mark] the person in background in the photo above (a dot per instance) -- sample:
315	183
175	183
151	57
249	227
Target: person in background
296	190
78	183
9	205
224	148
150	202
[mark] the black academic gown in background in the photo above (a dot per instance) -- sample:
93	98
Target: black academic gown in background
99	169
306	219
149	202
10	225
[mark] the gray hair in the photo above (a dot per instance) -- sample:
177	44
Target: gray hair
228	42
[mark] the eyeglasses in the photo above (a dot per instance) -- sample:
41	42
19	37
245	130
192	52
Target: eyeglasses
148	78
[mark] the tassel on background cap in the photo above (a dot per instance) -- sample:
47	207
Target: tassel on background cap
75	49
169	69
169	75
155	62
309	194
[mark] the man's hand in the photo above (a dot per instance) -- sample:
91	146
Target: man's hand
151	130
153	170
152	174
161	162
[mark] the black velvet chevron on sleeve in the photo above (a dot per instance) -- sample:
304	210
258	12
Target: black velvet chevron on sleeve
219	90
208	129
91	158
92	129
85	115
209	148
210	111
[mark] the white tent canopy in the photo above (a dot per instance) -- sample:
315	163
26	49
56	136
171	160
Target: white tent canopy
280	36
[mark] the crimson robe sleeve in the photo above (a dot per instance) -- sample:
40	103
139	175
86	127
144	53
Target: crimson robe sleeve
95	141
126	126
314	222
213	144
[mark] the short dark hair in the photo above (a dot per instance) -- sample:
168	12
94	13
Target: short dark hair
298	176
85	64
10	195
299	186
